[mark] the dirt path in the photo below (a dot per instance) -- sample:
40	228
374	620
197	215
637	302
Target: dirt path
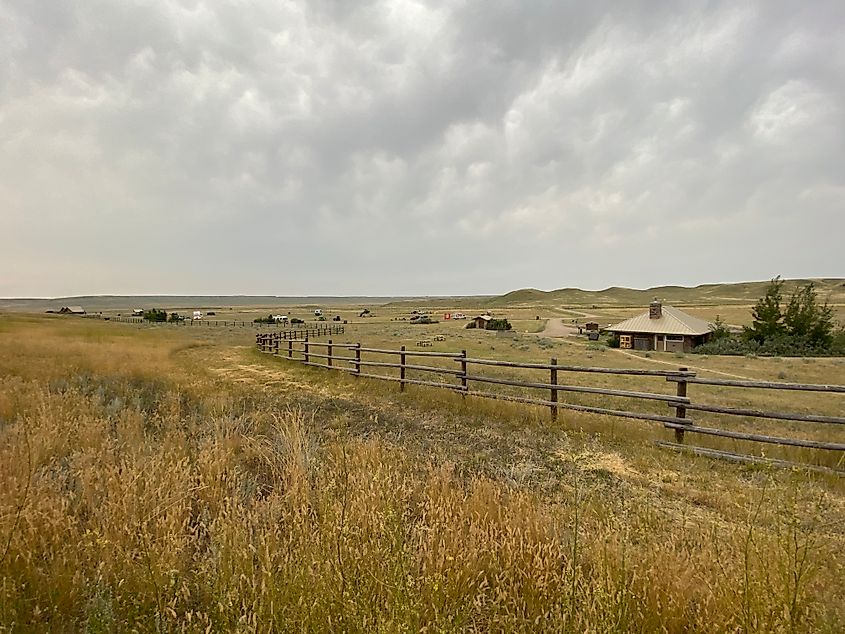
234	364
676	365
555	328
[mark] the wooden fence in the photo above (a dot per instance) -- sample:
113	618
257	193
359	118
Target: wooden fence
304	330
271	339
462	374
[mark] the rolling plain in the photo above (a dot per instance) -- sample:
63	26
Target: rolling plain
173	478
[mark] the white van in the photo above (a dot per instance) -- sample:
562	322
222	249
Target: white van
318	312
197	315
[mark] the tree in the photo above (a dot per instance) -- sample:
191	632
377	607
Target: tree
806	319
499	324
155	314
720	329
767	314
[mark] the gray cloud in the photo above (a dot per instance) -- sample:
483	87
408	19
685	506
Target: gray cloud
411	147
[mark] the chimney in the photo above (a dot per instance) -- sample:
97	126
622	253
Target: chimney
655	309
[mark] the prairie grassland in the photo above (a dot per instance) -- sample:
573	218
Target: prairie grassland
160	479
577	352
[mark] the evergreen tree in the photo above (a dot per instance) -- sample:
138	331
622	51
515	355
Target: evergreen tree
806	319
767	314
720	329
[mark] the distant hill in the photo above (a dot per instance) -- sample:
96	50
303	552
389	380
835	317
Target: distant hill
94	303
830	289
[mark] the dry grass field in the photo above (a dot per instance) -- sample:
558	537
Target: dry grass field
172	478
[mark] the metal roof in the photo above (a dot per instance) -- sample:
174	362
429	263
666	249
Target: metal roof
671	322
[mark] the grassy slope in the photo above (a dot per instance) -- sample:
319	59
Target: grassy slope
159	478
707	294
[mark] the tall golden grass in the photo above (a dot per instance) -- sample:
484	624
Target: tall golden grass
141	492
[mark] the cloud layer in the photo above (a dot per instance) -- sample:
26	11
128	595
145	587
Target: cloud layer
322	147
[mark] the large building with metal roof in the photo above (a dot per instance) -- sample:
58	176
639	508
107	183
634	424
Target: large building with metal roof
662	328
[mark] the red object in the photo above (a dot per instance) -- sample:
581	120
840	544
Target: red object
447	315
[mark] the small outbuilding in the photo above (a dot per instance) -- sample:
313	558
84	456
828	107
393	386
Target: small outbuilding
481	321
664	329
72	310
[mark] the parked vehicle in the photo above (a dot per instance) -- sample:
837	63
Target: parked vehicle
197	315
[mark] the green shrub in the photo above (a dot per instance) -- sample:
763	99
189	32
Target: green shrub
156	315
781	346
499	324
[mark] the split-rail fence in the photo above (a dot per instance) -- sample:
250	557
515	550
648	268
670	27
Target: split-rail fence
307	330
463	374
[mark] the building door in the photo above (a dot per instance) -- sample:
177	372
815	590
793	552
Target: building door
674	343
642	343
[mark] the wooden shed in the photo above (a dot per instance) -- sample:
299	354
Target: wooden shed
481	321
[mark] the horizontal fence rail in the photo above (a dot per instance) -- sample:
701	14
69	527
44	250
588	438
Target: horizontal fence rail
272	339
226	323
455	375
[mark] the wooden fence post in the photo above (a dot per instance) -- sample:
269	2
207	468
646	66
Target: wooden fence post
553	381
275	345
357	359
680	410
329	353
463	358
290	348
305	351
402	369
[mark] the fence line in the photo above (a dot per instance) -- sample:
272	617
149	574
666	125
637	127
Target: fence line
676	420
315	330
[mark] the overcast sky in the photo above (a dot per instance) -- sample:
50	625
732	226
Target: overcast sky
401	148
